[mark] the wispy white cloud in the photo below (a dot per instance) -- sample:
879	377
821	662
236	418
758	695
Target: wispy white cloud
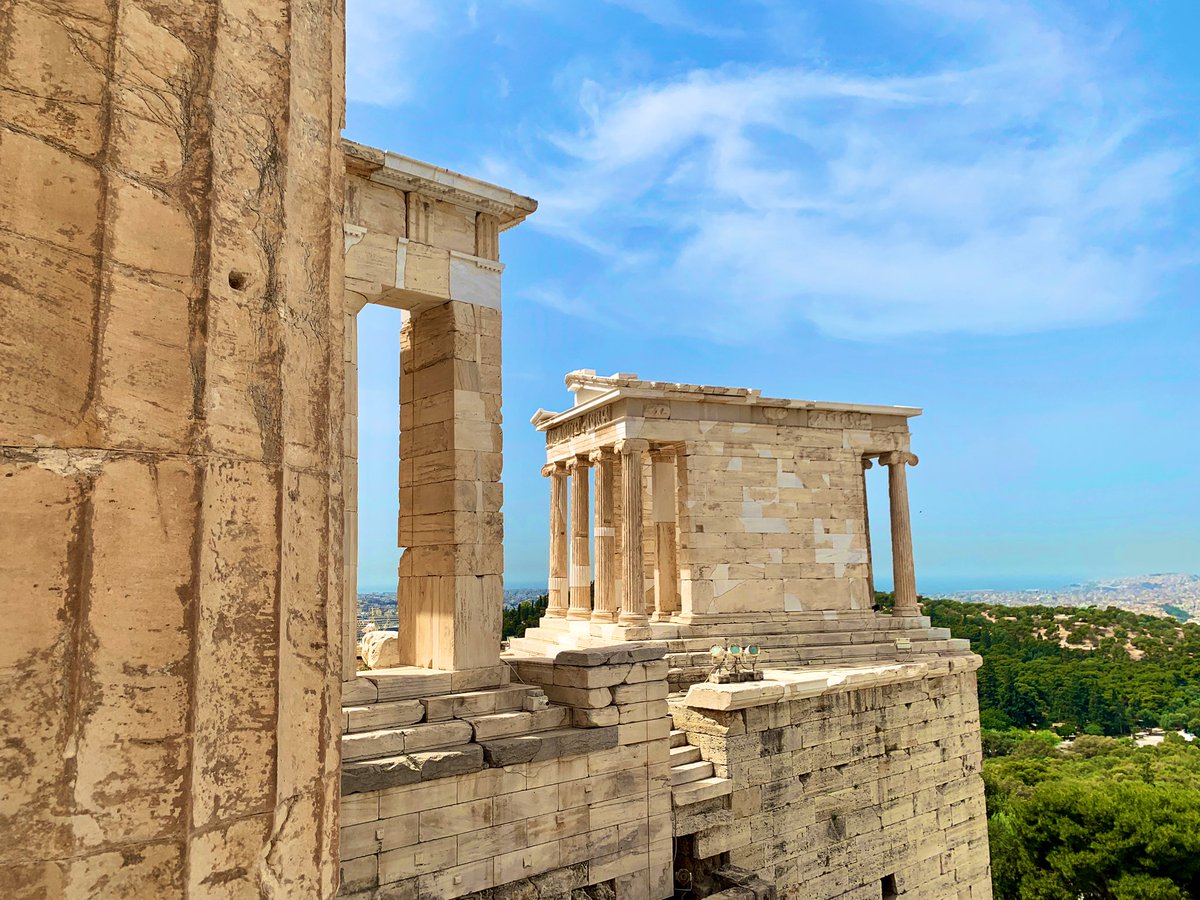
380	36
1015	188
674	14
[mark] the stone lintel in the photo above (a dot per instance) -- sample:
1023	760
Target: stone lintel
784	685
600	391
407	174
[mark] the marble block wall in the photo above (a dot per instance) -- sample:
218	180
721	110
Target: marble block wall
170	448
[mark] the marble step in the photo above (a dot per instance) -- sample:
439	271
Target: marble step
378	716
468	704
413	683
410	739
704	789
679	738
410	768
546	745
690	772
682	755
514	723
472	704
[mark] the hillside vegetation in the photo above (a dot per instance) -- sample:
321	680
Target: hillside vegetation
1100	820
1094	818
1098	671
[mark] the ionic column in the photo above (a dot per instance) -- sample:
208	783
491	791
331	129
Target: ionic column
557	473
633	592
866	464
605	607
581	569
666	558
903	575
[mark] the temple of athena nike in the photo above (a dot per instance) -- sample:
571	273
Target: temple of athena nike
712	706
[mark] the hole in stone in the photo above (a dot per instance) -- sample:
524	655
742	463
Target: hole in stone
238	280
889	887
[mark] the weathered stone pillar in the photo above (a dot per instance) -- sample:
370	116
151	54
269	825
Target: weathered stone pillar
633	594
451	588
581	569
172	316
866	517
903	574
557	473
666	560
606	600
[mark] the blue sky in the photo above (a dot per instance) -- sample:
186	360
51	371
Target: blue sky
985	209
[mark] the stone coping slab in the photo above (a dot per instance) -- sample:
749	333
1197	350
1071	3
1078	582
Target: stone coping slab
590	657
784	685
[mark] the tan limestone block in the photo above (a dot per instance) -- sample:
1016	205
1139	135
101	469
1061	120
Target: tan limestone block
611	813
599	788
378	836
374	206
554	771
427	270
155	868
359	808
417	797
614	865
655	670
525	804
595	718
593	698
418	859
458	881
488	842
527	862
456	819
588	677
640	712
558	825
579	848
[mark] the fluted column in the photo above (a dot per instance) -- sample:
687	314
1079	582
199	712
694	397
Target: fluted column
666	558
903	574
606	601
557	472
866	512
633	594
581	569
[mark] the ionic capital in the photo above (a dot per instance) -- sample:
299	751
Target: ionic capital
601	453
898	458
632	445
866	463
579	461
554	468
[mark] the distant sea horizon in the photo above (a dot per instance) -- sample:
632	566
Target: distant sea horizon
928	585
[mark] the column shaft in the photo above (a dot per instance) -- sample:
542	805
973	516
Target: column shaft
557	606
866	464
633	596
903	572
581	569
666	560
606	539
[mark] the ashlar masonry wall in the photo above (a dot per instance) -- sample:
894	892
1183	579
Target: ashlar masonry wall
170	464
482	796
835	793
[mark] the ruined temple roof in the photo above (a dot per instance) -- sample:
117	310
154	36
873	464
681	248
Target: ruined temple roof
410	174
592	390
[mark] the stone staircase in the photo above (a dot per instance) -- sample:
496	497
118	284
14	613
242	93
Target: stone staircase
849	639
692	778
390	737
